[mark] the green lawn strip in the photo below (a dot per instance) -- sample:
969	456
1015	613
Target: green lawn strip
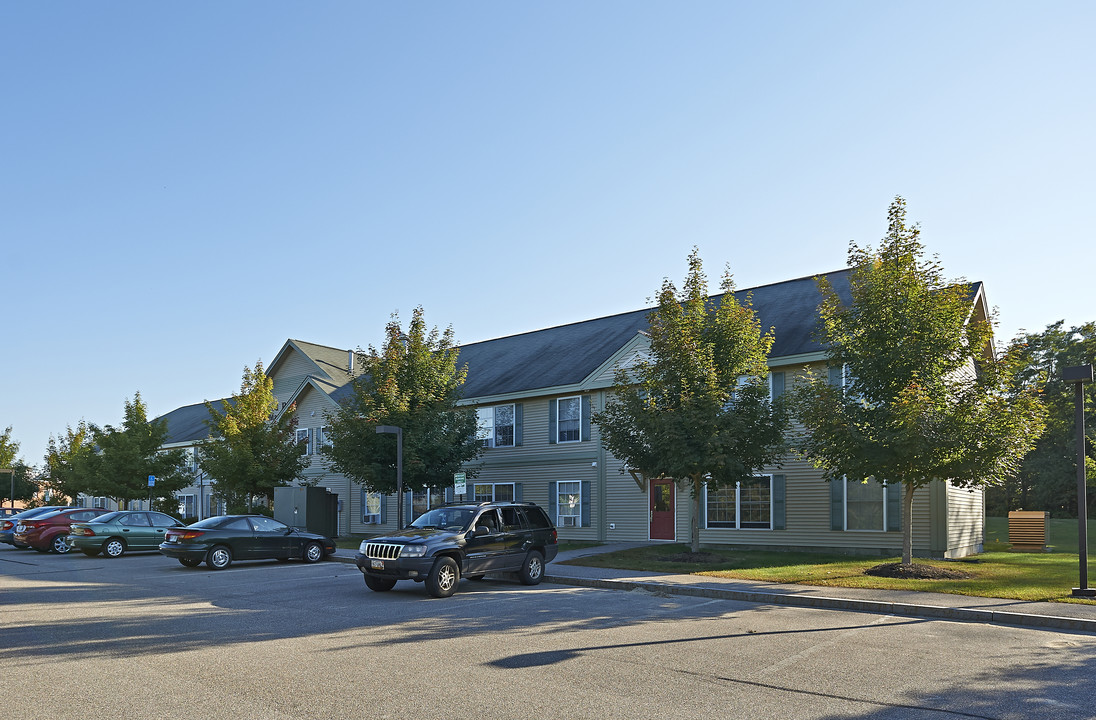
1018	576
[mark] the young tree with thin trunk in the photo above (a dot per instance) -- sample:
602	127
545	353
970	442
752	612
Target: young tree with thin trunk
251	450
119	460
698	410
413	382
923	397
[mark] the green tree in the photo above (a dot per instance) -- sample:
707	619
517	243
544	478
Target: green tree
252	449
1048	478
924	398
8	448
413	382
123	458
67	472
25	483
20	485
699	410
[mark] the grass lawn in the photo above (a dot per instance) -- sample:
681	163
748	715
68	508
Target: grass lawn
998	572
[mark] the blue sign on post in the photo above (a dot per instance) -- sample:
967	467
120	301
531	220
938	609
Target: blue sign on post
151	480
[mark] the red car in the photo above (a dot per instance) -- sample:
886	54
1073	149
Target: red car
50	533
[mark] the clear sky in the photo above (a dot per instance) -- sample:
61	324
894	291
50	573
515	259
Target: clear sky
185	186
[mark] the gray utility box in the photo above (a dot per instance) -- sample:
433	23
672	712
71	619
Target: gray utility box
314	509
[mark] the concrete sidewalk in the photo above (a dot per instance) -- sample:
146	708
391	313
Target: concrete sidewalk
1061	616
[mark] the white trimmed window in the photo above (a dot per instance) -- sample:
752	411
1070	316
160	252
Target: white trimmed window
371	507
496	426
423	500
865	506
569	419
493	492
304	437
568	504
188	506
323	440
744	505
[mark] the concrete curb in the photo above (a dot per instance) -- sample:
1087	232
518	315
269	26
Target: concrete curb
816	601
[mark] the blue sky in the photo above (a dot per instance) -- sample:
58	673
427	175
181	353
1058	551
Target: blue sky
184	186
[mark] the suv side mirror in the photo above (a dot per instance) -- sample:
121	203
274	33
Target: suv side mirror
482	530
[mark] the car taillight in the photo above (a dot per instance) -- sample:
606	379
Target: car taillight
184	535
554	535
30	523
6	525
82	531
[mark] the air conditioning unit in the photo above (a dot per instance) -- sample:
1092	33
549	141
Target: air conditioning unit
569	521
371	518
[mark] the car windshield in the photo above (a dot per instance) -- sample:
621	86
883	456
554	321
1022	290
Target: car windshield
454	519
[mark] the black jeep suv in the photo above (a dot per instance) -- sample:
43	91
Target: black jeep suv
461	540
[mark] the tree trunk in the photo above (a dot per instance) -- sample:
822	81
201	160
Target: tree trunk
907	523
694	534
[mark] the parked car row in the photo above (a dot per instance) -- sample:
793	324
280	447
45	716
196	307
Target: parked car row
216	541
441	546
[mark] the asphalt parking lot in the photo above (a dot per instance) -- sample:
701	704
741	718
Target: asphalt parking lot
142	636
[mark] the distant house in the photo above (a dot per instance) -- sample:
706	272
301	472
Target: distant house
535	394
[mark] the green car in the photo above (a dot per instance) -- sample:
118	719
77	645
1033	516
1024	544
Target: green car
115	533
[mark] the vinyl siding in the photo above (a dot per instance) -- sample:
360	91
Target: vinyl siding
966	521
293	370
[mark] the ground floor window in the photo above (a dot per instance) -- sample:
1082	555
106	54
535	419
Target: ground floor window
494	492
569	503
866	505
371	507
188	506
424	500
746	504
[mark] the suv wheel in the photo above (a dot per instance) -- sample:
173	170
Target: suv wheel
532	570
444	577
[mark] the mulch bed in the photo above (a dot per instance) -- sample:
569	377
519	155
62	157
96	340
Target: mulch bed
916	571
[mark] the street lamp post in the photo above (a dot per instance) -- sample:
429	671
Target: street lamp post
398	432
1079	375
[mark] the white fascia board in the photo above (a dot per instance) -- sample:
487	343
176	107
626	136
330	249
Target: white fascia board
308	382
800	359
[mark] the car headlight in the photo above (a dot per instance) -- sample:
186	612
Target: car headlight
361	548
413	551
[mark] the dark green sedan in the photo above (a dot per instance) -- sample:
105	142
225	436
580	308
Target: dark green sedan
218	541
115	533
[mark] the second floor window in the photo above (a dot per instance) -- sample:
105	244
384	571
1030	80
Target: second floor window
569	418
498	426
303	441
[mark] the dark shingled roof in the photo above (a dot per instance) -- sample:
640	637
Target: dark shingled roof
567	354
188	424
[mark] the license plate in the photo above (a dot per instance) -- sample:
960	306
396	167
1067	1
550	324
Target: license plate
376	564
173	538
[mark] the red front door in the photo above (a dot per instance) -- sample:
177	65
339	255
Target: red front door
662	510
